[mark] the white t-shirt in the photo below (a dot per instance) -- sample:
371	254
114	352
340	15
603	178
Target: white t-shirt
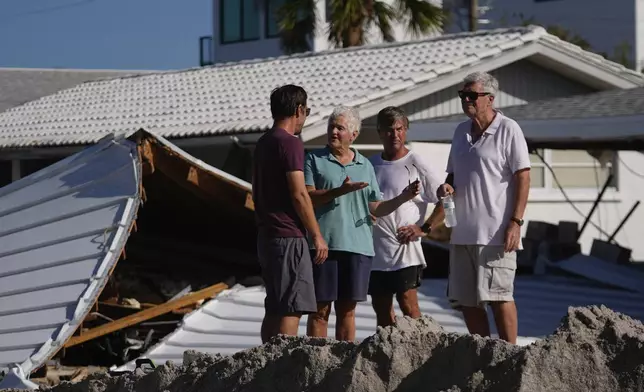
393	177
484	183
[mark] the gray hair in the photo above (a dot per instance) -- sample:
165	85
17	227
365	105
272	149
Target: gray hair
489	82
389	115
350	114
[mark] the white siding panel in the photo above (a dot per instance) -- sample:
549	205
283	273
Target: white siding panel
519	83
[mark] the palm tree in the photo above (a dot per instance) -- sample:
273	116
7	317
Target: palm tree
350	19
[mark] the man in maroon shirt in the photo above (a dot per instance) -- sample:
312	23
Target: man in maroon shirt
284	214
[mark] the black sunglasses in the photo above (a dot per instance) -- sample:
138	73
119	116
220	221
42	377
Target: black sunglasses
409	172
471	95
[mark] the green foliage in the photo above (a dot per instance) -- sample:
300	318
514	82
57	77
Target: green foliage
349	20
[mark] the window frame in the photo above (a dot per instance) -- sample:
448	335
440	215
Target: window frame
222	40
551	192
267	19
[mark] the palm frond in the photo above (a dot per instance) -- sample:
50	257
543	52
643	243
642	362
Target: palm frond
297	21
422	17
382	15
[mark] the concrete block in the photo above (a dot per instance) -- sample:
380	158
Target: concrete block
609	252
567	231
541	231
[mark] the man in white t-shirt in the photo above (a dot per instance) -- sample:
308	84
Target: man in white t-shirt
399	261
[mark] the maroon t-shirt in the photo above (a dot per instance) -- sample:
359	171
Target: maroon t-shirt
276	153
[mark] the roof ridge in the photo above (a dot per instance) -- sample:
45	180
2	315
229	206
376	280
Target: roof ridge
531	32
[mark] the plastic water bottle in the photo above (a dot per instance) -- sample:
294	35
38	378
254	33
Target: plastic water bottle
450	213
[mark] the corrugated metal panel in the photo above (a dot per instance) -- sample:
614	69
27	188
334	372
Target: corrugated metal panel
590	267
231	322
62	230
519	83
232	98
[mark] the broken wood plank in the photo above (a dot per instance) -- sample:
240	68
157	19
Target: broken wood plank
146	314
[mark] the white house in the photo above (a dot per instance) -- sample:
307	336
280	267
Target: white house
216	113
247	29
606	25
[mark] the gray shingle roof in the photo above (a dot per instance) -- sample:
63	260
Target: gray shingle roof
21	85
617	102
233	97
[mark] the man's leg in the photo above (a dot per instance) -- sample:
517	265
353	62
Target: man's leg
462	288
407	281
318	323
476	320
354	271
325	276
381	298
270	326
291	292
383	305
345	313
506	320
497	270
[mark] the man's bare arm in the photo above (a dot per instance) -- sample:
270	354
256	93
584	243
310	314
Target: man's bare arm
302	202
437	216
320	197
522	179
385	207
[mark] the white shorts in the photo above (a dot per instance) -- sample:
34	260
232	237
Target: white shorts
479	274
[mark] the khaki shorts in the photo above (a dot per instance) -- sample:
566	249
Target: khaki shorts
480	274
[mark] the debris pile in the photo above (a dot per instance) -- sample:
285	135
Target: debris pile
594	349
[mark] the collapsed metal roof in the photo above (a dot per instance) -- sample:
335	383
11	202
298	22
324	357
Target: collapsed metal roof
231	322
64	228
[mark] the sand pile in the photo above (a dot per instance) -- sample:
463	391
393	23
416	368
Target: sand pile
594	349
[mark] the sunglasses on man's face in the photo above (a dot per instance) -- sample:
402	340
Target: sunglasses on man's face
470	95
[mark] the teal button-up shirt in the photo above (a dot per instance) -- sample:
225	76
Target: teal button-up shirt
344	222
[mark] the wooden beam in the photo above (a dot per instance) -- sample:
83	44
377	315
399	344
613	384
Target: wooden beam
147	314
192	177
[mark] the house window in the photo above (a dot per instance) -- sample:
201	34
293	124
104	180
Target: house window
575	169
272	28
238	21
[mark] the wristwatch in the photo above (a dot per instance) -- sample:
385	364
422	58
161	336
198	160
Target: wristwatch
426	228
517	221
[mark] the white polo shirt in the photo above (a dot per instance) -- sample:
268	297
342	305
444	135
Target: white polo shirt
484	183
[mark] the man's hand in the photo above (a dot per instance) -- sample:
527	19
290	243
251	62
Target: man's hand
321	249
512	236
412	190
444	190
348	186
410	233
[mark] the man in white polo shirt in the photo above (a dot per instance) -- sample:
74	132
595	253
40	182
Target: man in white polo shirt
489	174
398	264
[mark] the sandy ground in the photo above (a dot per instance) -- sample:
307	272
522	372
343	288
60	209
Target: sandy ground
594	349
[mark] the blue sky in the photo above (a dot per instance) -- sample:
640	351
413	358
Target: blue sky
103	34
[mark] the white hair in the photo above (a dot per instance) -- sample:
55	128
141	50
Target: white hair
350	114
489	82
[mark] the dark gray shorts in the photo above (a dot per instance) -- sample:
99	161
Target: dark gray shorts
287	270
